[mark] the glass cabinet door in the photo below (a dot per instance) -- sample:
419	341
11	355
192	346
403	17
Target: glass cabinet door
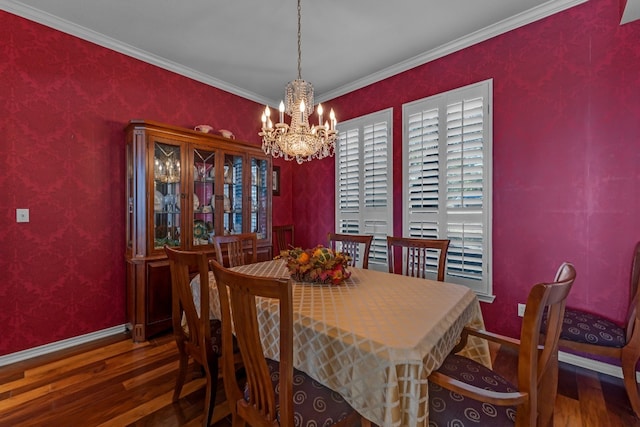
204	173
166	195
259	194
233	197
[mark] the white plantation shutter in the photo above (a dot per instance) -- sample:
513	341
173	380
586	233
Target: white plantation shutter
464	189
375	160
348	163
447	179
363	181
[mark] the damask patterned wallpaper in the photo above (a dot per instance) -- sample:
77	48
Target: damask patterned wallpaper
64	103
566	154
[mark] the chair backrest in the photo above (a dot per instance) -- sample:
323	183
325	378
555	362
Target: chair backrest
238	293
417	257
533	363
197	334
284	238
236	249
356	245
634	295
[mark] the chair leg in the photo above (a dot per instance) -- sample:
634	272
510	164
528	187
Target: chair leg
629	360
237	421
548	392
211	373
182	371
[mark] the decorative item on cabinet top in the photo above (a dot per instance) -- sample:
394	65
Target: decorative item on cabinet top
203	128
227	133
209	129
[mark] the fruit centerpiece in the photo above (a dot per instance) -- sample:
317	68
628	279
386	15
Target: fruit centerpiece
317	265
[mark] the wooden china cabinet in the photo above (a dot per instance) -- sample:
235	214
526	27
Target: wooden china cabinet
183	187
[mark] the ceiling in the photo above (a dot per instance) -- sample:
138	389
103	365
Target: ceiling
249	47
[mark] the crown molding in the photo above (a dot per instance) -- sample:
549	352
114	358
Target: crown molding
631	12
547	9
84	33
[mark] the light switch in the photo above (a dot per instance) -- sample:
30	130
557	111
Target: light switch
22	215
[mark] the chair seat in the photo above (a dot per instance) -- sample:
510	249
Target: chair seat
447	408
325	407
587	328
216	338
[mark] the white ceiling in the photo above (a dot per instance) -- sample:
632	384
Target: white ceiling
631	11
249	47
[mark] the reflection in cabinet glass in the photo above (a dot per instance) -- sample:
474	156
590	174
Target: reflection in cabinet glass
166	195
259	196
204	173
233	194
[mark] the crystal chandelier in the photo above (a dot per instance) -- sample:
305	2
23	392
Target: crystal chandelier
298	140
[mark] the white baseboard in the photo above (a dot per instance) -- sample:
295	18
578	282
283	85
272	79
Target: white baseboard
60	345
594	365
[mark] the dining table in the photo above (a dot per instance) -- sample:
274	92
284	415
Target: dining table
374	338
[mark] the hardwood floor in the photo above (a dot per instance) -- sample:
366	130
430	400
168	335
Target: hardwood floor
115	382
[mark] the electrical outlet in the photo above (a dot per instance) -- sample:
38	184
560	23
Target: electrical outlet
22	215
521	308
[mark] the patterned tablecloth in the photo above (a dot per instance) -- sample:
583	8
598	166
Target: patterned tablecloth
374	339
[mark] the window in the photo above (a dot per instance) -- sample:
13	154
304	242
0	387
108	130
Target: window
363	181
446	166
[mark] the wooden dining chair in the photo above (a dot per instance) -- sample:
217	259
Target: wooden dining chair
200	338
236	249
356	245
284	238
267	399
417	257
472	394
596	335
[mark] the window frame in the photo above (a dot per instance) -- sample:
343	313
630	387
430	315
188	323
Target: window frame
442	215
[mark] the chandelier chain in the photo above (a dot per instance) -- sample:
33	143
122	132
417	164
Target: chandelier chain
299	41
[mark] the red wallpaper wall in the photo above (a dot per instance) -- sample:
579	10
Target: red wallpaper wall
566	154
64	104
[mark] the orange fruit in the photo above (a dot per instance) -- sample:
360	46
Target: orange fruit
303	258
